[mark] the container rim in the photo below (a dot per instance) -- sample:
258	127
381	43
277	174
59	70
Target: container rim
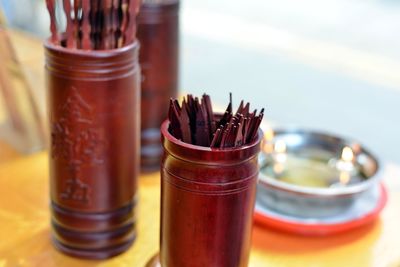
158	3
96	53
190	152
266	180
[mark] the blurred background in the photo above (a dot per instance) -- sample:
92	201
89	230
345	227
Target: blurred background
331	65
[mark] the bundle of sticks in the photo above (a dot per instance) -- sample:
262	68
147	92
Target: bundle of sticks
94	24
195	123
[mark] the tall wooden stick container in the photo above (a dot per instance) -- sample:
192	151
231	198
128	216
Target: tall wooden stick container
207	203
94	111
158	31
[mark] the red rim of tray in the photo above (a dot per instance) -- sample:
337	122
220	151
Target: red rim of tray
325	228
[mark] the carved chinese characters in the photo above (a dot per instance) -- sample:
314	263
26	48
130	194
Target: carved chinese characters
76	141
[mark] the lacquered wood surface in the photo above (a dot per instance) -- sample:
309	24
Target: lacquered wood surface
158	34
94	125
207	203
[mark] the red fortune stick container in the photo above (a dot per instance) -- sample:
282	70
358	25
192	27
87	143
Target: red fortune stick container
94	111
207	203
158	31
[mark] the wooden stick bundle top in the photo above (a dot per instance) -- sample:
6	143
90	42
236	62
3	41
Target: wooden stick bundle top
195	123
94	24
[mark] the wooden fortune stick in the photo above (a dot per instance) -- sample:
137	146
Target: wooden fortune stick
71	38
131	29
77	22
115	32
106	30
53	23
87	25
124	22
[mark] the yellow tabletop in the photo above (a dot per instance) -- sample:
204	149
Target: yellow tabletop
25	218
25	228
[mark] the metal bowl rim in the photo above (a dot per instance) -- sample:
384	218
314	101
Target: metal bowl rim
266	180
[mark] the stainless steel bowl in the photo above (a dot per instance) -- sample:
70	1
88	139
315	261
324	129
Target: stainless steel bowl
306	201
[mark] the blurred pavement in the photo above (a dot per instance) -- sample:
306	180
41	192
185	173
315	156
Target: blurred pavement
332	65
328	65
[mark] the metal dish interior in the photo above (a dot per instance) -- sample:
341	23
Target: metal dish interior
306	201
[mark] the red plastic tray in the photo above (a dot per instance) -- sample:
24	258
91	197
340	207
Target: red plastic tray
296	227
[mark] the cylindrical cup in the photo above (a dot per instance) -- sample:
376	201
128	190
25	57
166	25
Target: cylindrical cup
94	111
158	31
207	203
